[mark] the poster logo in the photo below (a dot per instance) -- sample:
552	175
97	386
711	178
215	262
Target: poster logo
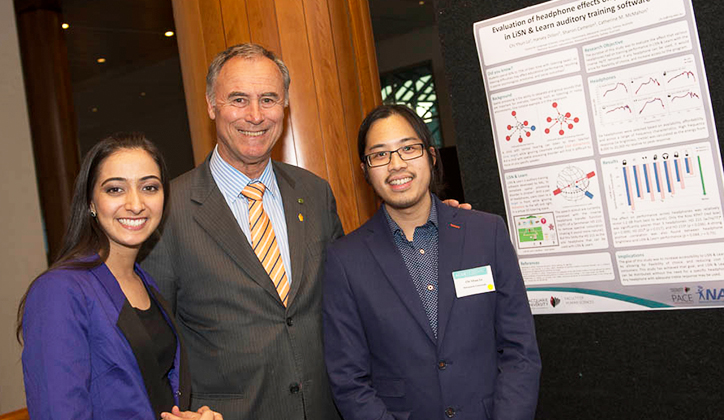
554	301
681	295
710	295
538	303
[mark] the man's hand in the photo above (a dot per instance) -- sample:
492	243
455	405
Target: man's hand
203	413
455	203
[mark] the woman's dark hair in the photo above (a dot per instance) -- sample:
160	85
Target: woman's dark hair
84	237
423	133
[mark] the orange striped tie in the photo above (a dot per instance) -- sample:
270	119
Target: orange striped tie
264	241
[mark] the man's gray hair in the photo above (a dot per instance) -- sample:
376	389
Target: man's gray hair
247	51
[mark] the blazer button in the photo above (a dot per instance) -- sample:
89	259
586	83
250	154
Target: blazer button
441	365
290	322
450	412
294	388
178	393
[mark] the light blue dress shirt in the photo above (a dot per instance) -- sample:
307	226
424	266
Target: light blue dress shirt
231	182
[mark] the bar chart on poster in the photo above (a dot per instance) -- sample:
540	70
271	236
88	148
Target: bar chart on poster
608	154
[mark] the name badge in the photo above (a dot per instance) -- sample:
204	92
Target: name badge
473	281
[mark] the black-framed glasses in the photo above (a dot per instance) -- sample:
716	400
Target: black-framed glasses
406	152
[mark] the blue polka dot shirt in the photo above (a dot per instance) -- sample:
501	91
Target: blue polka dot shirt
420	256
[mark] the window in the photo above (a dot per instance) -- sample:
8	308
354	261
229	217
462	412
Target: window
414	87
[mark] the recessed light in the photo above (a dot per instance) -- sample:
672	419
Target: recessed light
169	33
94	109
65	26
421	2
143	93
101	60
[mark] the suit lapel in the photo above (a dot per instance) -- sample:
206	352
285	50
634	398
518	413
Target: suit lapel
110	285
296	228
451	239
215	217
382	246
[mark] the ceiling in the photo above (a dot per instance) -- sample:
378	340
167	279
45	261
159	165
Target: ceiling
391	18
139	86
130	34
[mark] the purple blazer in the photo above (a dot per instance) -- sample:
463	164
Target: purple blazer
87	355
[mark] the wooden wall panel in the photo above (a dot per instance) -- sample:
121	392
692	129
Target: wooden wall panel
329	49
263	24
198	33
331	110
354	112
303	101
212	27
364	46
236	22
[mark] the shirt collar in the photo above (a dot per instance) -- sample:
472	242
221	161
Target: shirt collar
231	181
431	219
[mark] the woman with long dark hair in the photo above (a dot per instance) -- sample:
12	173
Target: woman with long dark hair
99	340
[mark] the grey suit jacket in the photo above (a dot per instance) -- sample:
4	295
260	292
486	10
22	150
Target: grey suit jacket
250	357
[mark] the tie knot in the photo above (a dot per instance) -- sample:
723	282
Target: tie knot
254	191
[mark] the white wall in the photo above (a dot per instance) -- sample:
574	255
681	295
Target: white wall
22	254
413	48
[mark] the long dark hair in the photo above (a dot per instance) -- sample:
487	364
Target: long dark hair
84	237
417	124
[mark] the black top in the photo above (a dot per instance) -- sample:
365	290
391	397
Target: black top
164	341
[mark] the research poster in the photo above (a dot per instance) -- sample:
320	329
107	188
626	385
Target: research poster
608	154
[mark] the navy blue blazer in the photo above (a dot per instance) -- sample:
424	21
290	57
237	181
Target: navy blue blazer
382	357
84	344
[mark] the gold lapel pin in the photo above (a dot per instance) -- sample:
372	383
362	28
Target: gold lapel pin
300	200
301	218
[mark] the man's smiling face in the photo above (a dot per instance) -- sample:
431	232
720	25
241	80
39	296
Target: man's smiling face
401	184
246	132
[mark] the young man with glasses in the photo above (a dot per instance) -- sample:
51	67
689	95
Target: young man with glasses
425	311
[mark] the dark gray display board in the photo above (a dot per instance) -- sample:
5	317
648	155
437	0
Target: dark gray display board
632	365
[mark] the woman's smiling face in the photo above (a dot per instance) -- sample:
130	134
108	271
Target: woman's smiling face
128	198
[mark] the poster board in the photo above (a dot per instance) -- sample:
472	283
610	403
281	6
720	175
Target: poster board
608	154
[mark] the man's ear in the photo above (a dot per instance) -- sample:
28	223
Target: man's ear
210	108
432	152
364	171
